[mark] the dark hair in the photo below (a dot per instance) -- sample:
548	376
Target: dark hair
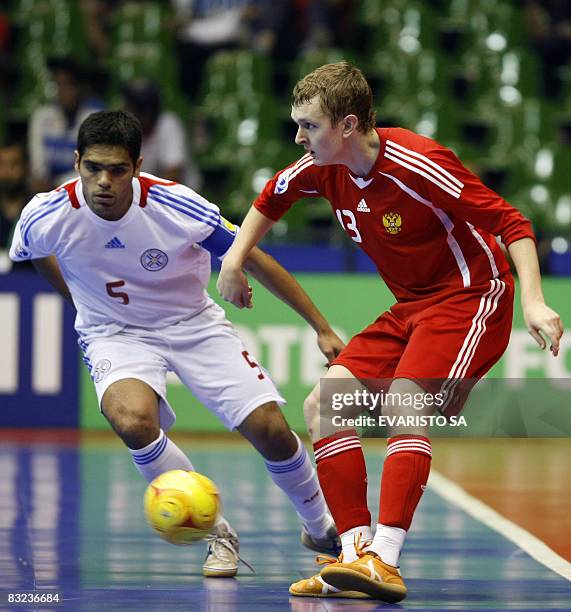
342	90
113	128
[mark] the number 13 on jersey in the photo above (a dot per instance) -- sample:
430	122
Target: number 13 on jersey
351	226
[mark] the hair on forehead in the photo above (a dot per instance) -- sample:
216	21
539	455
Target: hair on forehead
342	90
111	128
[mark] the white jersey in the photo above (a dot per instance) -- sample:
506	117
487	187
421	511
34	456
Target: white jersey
148	269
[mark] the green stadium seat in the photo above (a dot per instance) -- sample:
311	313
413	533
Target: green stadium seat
142	45
47	28
141	22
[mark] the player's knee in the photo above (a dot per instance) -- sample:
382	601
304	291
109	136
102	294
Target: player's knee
137	426
268	431
394	410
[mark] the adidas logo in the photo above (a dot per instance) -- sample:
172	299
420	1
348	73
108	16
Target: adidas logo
362	206
115	243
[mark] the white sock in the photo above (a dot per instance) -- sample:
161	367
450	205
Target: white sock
388	543
348	539
297	478
163	455
160	456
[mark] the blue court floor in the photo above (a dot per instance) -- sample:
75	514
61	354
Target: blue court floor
71	522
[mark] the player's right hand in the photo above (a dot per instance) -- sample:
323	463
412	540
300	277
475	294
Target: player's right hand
543	321
232	285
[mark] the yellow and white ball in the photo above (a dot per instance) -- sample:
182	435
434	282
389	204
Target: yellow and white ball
182	506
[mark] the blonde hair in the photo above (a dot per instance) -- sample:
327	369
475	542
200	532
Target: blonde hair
342	91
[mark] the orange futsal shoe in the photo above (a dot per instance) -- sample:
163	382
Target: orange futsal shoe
317	587
368	575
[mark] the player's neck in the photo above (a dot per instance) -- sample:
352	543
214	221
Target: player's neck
363	152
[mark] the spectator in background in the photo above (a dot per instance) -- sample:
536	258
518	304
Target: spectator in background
204	27
164	149
549	27
53	127
14	194
97	22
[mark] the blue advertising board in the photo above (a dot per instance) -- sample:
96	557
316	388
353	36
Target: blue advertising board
38	354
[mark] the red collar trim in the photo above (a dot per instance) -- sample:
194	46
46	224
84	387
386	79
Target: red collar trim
70	188
146	183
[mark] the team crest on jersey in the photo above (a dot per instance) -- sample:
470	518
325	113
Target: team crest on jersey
101	369
392	222
154	260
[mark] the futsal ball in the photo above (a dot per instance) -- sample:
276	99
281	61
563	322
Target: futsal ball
182	506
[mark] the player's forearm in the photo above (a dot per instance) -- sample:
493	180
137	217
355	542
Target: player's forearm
252	230
283	285
49	269
524	256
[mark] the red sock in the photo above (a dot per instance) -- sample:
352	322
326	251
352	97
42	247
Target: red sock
405	473
343	477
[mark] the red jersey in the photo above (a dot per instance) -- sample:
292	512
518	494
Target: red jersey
426	221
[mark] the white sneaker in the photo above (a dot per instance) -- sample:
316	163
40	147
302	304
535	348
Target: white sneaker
222	554
330	543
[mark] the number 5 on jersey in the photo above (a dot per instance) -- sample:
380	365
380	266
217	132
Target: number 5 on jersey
112	291
351	226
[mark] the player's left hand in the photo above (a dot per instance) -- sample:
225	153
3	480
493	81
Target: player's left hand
543	321
330	344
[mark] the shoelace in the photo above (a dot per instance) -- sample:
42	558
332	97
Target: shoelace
359	550
360	546
328	559
228	546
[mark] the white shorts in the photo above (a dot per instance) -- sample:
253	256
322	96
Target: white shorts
204	351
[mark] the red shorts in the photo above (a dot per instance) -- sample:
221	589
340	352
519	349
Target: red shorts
456	337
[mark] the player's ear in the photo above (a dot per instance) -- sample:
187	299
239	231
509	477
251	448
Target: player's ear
350	123
138	165
76	160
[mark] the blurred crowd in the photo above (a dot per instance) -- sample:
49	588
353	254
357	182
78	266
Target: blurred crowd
37	136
